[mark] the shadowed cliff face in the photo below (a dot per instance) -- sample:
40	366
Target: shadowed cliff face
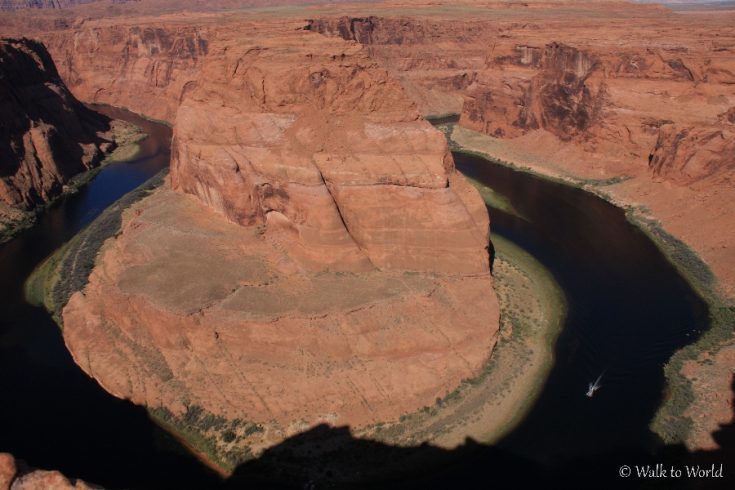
374	30
561	98
46	135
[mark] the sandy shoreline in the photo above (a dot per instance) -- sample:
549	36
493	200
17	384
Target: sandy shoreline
487	407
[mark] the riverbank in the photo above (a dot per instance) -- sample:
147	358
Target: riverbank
126	137
490	405
66	271
680	418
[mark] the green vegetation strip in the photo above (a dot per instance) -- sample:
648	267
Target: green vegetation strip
127	137
67	270
532	312
215	439
220	442
670	421
13	226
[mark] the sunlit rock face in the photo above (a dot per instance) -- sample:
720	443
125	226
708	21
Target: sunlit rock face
312	138
315	258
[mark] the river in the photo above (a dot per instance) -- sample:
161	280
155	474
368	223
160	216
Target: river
628	311
52	415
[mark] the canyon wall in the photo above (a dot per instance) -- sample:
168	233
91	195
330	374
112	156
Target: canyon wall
529	70
145	68
688	154
40	4
433	58
140	6
641	101
635	103
46	135
563	97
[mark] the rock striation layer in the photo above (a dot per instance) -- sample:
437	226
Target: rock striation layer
563	87
633	101
147	68
320	144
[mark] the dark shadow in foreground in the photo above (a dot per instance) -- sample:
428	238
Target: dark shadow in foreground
328	457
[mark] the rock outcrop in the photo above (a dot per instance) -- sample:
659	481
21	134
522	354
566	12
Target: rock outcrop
562	98
642	105
7	470
11	479
40	4
562	87
46	135
688	155
532	69
320	143
335	266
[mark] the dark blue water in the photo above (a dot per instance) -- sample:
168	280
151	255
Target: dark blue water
51	414
628	312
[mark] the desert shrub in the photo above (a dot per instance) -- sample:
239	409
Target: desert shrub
228	436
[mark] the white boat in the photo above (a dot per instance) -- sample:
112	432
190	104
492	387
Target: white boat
594	386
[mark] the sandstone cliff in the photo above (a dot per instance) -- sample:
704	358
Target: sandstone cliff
46	135
690	154
565	89
623	104
145	68
40	4
563	97
323	145
531	69
319	258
